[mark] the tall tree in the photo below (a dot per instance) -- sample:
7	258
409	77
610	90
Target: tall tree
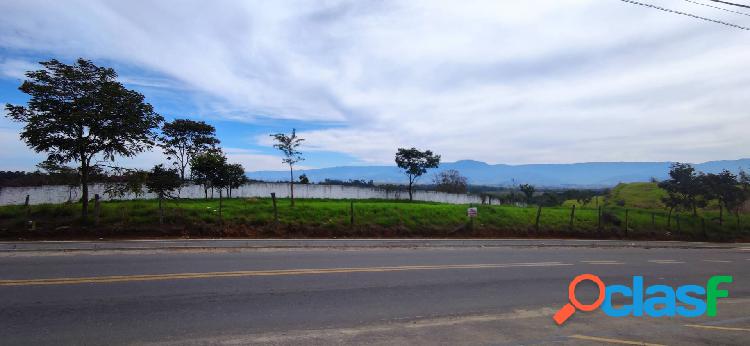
80	112
415	163
528	191
163	182
288	146
182	139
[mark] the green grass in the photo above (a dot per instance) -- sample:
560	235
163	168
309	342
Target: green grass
254	217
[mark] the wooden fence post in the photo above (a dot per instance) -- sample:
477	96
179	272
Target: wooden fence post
653	222
626	222
538	214
572	216
677	218
97	209
703	227
275	210
599	220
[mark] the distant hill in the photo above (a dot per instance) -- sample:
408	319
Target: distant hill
590	174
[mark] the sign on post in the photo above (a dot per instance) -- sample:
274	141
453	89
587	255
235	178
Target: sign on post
472	212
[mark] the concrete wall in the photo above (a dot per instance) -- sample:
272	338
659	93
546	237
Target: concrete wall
61	194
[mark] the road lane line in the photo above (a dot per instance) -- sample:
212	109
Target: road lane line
718	328
611	341
602	262
717	261
665	261
175	276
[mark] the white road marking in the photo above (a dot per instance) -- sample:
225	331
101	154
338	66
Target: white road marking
717	261
602	262
668	261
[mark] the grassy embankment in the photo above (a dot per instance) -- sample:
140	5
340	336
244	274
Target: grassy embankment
254	217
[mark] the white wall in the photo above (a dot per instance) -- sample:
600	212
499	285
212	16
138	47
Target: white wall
61	194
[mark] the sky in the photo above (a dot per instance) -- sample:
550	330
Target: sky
538	81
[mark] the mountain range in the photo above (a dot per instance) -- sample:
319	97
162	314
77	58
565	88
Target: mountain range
589	174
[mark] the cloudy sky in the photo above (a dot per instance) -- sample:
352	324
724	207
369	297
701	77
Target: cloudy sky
543	81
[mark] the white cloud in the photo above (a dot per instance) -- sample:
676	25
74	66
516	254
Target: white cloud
15	68
513	82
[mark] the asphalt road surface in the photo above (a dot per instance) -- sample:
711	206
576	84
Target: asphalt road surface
343	295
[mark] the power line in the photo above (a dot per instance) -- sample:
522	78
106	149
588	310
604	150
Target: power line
687	14
731	3
717	7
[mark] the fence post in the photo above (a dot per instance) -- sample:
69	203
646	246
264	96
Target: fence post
275	210
703	227
538	214
653	222
351	212
626	222
599	220
677	218
572	216
97	209
28	207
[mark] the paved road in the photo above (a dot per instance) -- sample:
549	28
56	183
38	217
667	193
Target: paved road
329	295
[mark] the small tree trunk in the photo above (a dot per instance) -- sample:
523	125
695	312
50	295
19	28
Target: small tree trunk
721	214
572	216
669	218
84	191
205	191
291	183
626	222
411	186
599	219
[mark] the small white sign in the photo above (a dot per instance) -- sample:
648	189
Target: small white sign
472	212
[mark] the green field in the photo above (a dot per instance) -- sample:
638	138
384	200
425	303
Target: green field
254	217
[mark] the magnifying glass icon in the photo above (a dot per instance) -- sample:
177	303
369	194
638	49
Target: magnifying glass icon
569	309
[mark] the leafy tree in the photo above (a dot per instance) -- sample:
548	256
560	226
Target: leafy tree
288	145
724	188
203	168
213	170
303	179
182	139
450	181
78	112
415	163
131	182
163	182
684	187
235	177
528	191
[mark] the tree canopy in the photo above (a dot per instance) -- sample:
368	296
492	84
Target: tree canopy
415	163
182	139
79	113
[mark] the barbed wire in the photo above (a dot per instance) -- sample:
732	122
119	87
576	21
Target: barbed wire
717	7
687	14
731	3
